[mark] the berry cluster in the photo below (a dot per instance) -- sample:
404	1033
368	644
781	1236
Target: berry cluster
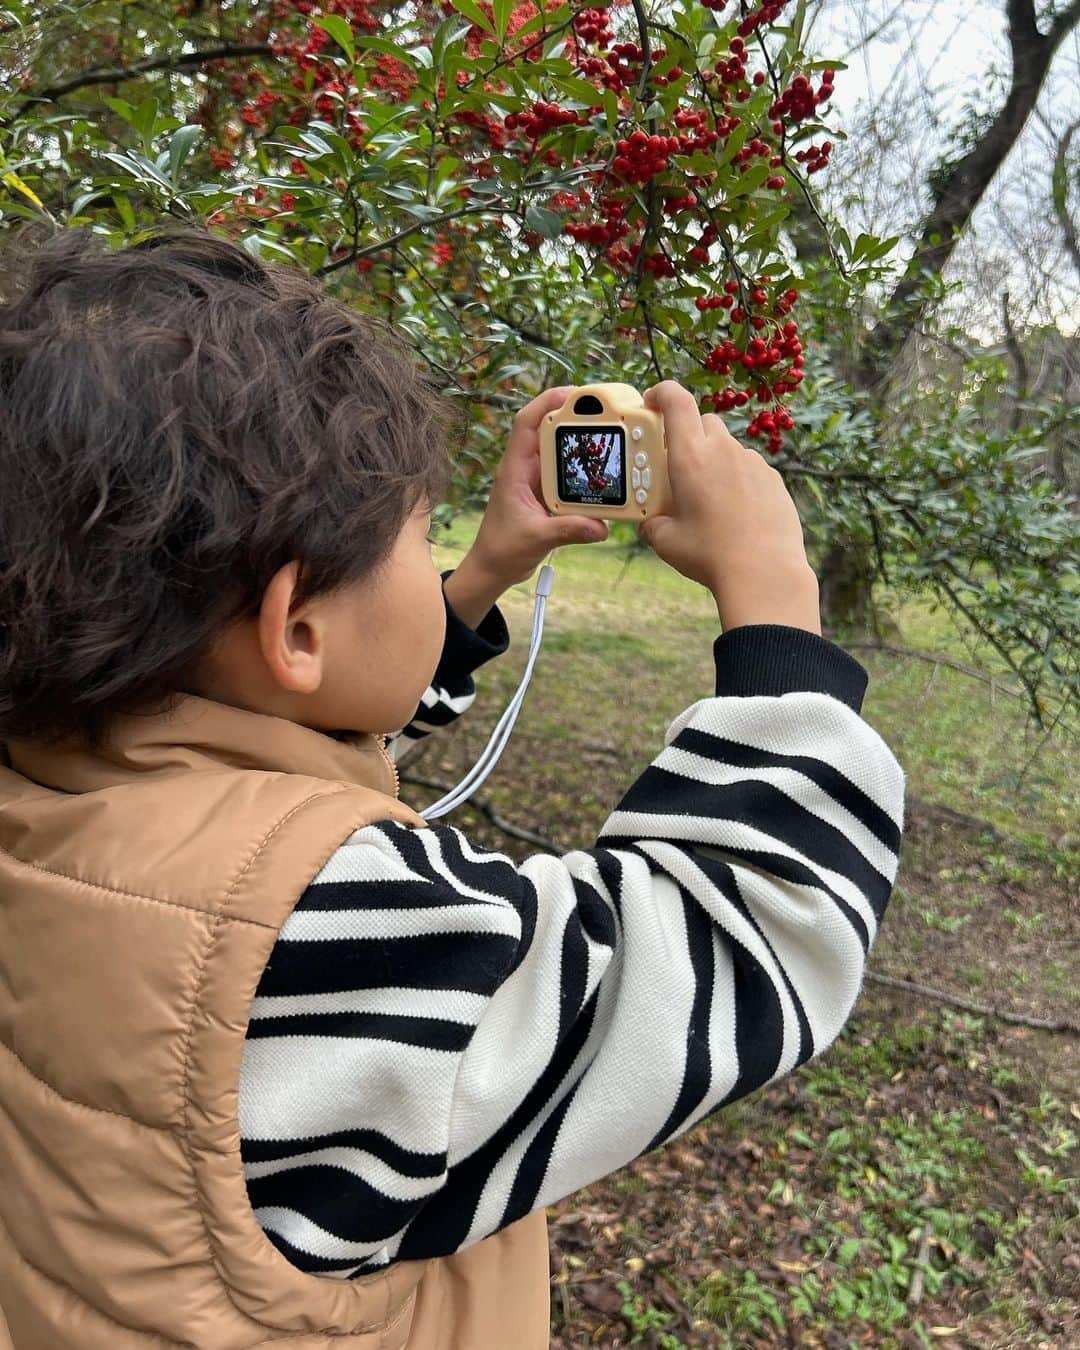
760	18
799	101
773	362
604	234
442	251
642	156
540	119
592	25
815	157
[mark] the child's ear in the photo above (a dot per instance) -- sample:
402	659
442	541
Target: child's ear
291	640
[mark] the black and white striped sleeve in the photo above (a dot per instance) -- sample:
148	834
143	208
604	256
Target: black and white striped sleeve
452	691
445	1040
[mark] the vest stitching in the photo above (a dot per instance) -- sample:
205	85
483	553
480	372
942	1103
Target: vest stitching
128	895
82	1106
185	1085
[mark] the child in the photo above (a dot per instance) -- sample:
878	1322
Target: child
278	1062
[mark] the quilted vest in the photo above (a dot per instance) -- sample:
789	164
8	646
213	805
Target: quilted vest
142	887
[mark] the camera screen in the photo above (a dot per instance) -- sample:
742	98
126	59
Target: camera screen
592	465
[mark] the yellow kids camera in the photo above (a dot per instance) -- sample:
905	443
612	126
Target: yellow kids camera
603	454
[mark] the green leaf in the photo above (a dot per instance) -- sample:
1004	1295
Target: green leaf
316	143
552	19
446	40
340	30
144	117
260	244
885	246
446	172
180	146
748	181
559	359
122	107
611	108
84	199
579	90
123	209
543	221
388	48
503	10
733	144
472	11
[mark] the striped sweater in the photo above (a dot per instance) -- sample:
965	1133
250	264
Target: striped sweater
445	1040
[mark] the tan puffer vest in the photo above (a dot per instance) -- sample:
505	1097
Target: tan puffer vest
141	891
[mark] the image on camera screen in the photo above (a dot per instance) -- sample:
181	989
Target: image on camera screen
592	465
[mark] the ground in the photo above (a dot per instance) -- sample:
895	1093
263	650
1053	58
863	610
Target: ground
915	1186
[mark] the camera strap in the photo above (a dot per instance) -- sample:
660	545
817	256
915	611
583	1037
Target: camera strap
499	737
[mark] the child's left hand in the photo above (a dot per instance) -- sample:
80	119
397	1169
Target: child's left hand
517	533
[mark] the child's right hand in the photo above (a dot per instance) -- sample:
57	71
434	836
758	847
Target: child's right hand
735	528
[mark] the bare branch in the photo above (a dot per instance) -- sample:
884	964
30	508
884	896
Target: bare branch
969	1005
173	61
1016	351
1060	185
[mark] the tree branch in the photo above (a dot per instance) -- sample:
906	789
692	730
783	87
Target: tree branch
936	660
1016	351
174	61
353	254
1060	193
969	1005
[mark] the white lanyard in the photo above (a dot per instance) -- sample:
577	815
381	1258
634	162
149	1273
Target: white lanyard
490	756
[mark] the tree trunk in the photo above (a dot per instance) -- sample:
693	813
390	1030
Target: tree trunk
845	577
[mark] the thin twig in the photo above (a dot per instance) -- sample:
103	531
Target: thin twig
915	1293
499	821
969	1005
937	660
227	51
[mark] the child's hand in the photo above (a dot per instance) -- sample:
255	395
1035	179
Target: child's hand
516	533
734	527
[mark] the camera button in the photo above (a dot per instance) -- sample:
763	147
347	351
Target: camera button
635	477
636	434
641	495
641	459
646	478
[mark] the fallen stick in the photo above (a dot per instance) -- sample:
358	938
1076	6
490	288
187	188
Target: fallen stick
969	1005
915	1293
499	821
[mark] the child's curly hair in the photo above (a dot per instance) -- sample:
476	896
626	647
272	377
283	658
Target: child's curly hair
178	420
